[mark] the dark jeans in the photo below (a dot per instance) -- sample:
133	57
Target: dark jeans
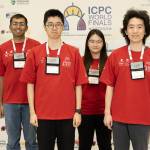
49	131
124	133
91	123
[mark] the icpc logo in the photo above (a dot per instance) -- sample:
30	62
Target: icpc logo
74	17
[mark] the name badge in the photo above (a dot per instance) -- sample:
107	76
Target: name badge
19	60
93	80
93	76
137	70
94	72
52	65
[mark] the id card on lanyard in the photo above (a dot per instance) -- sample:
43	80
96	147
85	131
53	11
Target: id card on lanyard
93	76
137	68
52	65
19	58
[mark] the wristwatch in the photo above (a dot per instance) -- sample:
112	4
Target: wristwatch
78	111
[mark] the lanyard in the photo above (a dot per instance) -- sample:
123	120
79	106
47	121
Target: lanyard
47	49
23	47
130	55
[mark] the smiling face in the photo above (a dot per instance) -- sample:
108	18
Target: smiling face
95	44
18	27
135	30
54	27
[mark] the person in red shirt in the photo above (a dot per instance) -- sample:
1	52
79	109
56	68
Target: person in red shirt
54	73
13	95
93	97
127	75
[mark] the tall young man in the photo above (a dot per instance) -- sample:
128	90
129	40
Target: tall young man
13	95
54	72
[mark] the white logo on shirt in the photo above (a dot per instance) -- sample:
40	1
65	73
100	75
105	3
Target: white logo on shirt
147	66
66	62
42	60
8	53
124	62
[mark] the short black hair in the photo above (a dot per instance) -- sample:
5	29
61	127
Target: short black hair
17	16
53	13
141	14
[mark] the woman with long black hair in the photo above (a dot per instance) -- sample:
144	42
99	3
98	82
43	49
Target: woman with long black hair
93	96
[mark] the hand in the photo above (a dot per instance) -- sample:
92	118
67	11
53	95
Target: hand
34	120
108	121
1	111
76	119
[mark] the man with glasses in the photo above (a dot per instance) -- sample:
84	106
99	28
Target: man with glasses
54	72
13	97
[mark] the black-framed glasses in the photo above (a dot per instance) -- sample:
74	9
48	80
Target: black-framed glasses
52	25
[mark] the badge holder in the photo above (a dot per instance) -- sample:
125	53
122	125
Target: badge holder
137	70
52	65
19	60
93	76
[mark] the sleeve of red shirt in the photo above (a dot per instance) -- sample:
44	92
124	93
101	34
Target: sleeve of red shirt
29	72
2	66
80	73
108	74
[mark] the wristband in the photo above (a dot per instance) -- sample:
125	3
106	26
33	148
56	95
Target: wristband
78	111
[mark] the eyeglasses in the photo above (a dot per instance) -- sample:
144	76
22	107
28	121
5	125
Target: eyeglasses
22	24
97	42
52	25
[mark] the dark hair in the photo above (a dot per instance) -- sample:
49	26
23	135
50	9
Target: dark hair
87	54
141	14
53	13
17	16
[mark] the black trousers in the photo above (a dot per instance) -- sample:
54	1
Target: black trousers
50	131
124	133
91	123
